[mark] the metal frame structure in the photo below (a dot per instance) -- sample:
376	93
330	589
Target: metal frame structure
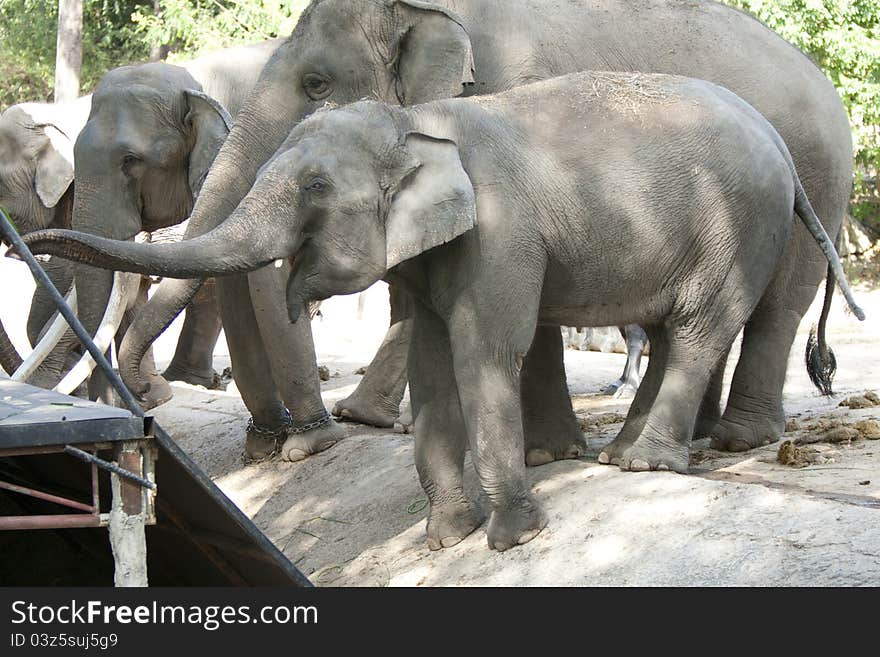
221	535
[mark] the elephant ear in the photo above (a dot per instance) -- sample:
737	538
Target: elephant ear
54	167
432	204
210	124
434	59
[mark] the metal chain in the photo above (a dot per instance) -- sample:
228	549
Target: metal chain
275	434
288	428
317	424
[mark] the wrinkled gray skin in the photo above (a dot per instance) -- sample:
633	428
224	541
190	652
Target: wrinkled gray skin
36	172
406	51
705	193
152	133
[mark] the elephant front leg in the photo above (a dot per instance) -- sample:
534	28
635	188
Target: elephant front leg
376	400
440	435
193	360
251	370
487	364
293	368
549	423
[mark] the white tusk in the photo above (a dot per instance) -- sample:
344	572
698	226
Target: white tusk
119	296
47	343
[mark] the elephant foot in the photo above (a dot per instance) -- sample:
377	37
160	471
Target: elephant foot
645	455
404	422
450	523
367	408
613	452
302	445
552	437
556	447
159	393
733	434
206	378
515	526
622	388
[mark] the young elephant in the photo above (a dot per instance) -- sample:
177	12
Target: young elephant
688	180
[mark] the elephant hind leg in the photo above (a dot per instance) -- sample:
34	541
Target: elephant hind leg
550	427
691	362
709	414
641	404
754	415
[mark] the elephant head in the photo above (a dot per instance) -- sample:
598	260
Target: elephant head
398	51
141	158
36	191
352	193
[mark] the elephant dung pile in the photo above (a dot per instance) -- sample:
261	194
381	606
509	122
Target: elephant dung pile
816	435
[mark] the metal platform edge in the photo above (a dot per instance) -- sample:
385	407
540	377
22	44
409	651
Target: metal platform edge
244	523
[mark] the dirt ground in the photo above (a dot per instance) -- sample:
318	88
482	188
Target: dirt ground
355	515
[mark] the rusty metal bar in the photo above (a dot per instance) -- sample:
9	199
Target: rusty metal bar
31	451
107	465
96	487
48	497
68	521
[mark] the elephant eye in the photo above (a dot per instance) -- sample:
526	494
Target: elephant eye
129	161
316	186
316	86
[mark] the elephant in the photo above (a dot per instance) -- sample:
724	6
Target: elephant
412	51
36	187
141	156
504	217
36	172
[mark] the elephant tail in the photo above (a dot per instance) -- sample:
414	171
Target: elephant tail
819	357
805	211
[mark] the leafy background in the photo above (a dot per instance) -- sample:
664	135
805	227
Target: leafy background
841	36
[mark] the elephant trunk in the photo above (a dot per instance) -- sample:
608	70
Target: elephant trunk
167	302
255	235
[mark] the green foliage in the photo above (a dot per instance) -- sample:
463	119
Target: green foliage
117	32
843	38
28	30
194	26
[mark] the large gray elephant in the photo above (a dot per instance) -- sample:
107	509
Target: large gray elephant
412	51
141	157
505	215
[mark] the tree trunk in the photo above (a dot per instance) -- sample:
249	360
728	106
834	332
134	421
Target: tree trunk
68	54
158	51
